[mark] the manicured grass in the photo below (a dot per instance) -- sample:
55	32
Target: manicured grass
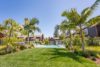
39	57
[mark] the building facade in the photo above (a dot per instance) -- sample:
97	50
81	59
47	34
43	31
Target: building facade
94	31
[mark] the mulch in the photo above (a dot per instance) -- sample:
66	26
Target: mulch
97	61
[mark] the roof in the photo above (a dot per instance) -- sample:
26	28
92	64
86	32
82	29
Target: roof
1	35
95	24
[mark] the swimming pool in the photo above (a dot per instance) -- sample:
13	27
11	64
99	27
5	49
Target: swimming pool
48	46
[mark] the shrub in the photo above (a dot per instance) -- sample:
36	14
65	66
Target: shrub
46	41
94	54
6	50
3	51
76	41
22	47
9	48
66	42
93	41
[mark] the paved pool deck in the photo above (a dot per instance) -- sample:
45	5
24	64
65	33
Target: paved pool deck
49	46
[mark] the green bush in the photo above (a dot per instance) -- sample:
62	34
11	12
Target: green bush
6	50
46	41
93	41
11	41
76	41
22	47
86	54
12	45
2	51
66	42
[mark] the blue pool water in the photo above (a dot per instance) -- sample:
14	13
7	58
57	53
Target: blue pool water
49	46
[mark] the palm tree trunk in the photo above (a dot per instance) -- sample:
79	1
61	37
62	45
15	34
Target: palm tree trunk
82	38
28	38
10	32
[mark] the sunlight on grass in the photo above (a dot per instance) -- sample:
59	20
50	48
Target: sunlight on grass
93	48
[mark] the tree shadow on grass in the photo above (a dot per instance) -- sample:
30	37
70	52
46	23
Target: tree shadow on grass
58	53
93	51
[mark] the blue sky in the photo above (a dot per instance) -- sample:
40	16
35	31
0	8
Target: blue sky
47	11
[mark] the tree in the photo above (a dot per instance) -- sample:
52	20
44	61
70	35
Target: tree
70	23
82	19
10	25
31	27
56	31
68	26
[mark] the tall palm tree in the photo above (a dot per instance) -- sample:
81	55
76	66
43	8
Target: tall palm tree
82	19
10	25
70	23
68	26
31	27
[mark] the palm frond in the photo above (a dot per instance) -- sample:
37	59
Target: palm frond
34	21
72	15
75	17
85	14
62	26
37	29
88	11
67	25
64	13
94	20
95	5
26	27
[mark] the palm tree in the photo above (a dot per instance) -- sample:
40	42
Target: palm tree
10	25
70	23
68	26
56	32
83	19
31	27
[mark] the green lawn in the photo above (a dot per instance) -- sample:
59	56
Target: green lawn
44	58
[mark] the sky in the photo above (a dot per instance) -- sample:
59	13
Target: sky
47	11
